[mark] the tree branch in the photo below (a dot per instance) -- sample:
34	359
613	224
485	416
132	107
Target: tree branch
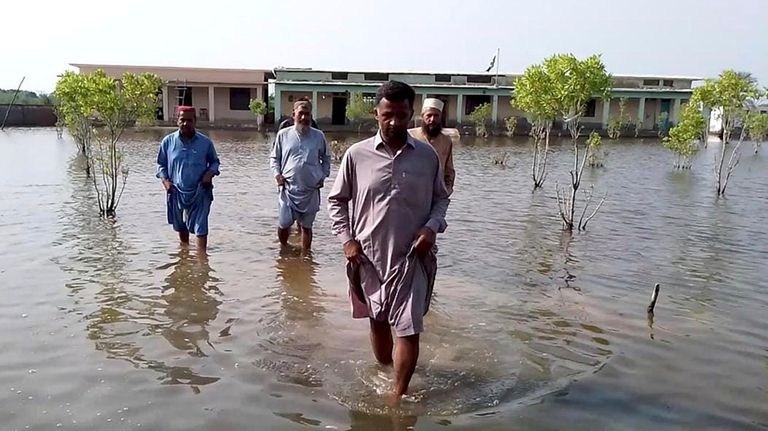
584	226
588	194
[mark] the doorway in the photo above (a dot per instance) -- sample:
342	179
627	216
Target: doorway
339	111
665	108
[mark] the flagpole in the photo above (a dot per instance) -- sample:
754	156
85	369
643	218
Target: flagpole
498	50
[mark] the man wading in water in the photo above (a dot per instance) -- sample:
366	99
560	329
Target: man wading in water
186	165
387	206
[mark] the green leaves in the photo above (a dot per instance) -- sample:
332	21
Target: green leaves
594	141
359	108
682	138
480	117
481	114
561	86
96	96
757	124
258	107
96	99
730	93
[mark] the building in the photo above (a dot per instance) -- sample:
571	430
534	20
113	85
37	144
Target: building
654	99
221	96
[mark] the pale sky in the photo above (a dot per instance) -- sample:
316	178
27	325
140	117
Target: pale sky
665	37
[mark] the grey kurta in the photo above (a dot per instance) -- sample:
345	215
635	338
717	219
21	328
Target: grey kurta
305	162
383	200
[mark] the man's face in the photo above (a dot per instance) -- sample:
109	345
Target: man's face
302	117
186	122
432	119
393	119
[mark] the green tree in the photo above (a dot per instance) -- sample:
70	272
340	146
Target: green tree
480	116
729	94
359	109
594	142
24	98
534	95
96	109
511	124
757	124
662	125
259	109
618	124
683	137
572	83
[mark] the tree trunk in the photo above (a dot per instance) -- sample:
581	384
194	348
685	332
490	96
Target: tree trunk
719	167
535	165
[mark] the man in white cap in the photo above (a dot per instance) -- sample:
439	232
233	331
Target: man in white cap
431	131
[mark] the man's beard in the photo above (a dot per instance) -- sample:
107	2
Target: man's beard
302	128
397	135
433	130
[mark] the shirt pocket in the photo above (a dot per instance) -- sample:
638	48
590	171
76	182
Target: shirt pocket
415	186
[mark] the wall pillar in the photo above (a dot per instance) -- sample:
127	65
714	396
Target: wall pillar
495	109
278	107
641	113
166	105
459	109
606	113
314	104
675	116
211	104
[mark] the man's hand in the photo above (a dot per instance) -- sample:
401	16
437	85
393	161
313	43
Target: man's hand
167	184
208	178
280	180
353	252
425	240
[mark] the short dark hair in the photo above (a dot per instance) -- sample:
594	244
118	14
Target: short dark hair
395	91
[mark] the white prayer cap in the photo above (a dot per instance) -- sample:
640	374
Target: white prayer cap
432	103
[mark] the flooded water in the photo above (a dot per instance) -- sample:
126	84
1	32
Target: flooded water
114	326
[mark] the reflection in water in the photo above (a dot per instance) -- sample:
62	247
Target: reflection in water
300	297
190	306
360	421
295	330
130	315
502	334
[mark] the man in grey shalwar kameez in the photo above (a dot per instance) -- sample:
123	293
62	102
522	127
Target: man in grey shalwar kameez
300	162
387	205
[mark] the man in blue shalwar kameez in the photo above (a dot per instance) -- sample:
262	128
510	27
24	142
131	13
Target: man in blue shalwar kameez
186	164
300	162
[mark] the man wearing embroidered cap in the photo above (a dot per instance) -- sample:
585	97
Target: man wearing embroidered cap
186	165
431	131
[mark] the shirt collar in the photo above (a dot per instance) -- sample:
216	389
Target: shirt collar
378	140
181	138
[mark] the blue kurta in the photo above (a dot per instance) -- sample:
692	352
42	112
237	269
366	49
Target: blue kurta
305	162
185	162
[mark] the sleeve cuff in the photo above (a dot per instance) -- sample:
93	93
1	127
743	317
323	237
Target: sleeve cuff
435	225
345	237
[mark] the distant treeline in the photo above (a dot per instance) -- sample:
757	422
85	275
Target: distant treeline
25	98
